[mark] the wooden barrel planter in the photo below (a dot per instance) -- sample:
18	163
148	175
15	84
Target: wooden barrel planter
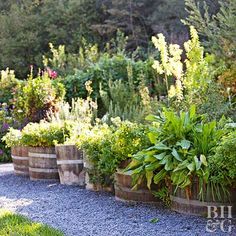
20	160
192	206
43	163
89	185
70	165
124	192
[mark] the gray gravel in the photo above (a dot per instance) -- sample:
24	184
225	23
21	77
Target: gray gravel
79	212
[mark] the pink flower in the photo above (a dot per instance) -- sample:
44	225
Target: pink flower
52	73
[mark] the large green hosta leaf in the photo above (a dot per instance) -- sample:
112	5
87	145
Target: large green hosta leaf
149	176
184	144
176	155
159	176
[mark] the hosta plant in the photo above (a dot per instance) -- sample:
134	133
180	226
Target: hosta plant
181	147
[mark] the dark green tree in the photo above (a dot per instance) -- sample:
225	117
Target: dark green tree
28	26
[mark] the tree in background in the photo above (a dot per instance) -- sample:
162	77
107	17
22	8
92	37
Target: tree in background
28	26
140	19
219	34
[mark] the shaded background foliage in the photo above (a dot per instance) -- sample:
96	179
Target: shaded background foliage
28	26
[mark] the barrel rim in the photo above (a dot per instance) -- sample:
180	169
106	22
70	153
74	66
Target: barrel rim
70	162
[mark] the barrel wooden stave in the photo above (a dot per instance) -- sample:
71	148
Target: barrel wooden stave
181	204
124	192
20	160
70	165
43	163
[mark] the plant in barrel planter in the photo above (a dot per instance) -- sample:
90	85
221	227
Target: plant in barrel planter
179	158
129	138
41	138
108	150
19	152
96	144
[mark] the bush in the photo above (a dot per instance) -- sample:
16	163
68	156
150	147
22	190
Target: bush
8	86
6	121
37	97
195	79
218	31
115	67
45	134
13	138
106	146
182	147
223	163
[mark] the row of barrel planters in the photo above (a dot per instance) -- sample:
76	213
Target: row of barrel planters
64	162
67	163
70	165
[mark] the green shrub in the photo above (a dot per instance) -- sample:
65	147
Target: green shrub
223	163
195	79
45	134
35	98
8	86
182	147
108	68
83	111
13	138
218	33
106	146
6	121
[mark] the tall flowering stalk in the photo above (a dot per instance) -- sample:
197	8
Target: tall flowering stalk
169	65
193	77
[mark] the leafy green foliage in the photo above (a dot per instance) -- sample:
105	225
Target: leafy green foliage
107	146
109	68
164	195
182	146
125	101
8	86
218	31
194	79
12	138
45	134
82	111
36	23
223	163
35	98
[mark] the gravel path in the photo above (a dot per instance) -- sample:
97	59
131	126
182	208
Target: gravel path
79	212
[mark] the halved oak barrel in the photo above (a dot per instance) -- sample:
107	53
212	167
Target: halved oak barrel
192	206
89	185
70	165
20	160
43	163
124	192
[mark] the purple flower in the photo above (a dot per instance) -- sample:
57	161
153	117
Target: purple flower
1	152
5	127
